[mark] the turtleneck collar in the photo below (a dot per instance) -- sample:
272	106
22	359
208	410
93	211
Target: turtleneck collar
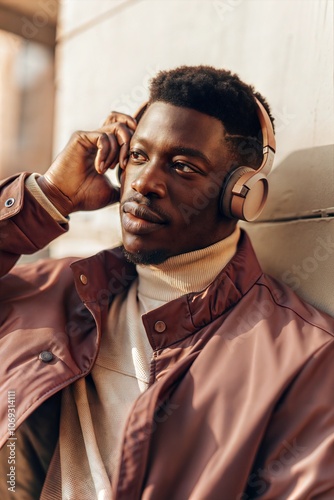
188	272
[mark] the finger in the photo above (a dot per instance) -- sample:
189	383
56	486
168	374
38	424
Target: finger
113	146
121	131
113	156
128	120
124	154
123	135
103	150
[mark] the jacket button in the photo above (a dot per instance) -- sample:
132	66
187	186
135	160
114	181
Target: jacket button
83	279
10	202
46	356
160	326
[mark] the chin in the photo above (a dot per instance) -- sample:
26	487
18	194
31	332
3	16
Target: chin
145	258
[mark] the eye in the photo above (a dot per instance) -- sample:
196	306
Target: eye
136	156
185	168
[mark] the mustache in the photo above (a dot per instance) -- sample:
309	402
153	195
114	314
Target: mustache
147	202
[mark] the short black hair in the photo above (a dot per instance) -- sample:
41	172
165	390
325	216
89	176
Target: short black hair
221	94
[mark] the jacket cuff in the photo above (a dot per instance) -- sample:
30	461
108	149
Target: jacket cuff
34	188
28	227
61	202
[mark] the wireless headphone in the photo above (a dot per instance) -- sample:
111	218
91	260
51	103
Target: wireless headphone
245	190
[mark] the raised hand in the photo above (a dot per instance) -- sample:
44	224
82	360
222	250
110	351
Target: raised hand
75	180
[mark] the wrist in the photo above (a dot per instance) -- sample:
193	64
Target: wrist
62	203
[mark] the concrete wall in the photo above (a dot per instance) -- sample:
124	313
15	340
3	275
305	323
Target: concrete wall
26	104
108	49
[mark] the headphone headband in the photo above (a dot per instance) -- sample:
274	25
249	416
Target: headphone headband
269	141
140	111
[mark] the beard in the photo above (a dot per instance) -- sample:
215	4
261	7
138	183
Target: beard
146	258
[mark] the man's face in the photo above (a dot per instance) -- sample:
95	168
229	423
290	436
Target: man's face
171	184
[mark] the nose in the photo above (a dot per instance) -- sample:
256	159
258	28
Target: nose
149	179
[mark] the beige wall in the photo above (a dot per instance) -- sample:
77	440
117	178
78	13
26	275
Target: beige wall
108	49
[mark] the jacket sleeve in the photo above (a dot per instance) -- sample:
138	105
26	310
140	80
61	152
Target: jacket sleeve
296	458
25	226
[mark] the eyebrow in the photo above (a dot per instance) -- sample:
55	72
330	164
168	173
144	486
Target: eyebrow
196	153
181	150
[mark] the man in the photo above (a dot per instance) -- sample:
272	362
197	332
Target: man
173	368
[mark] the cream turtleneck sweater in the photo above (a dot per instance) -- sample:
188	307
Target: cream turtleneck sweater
185	273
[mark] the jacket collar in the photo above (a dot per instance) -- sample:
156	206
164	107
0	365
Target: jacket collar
99	278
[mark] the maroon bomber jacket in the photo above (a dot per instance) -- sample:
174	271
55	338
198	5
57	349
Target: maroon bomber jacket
240	403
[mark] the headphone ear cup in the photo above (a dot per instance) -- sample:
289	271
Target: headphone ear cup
227	191
244	194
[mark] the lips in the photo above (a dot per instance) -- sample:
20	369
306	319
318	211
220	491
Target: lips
142	212
139	219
